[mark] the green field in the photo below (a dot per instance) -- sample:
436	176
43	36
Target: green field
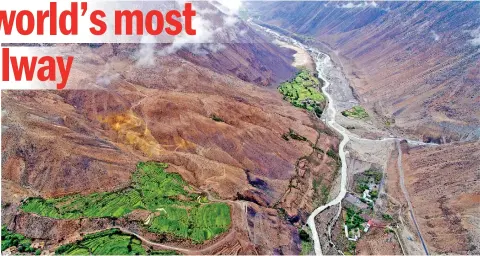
108	242
356	112
178	211
303	92
353	219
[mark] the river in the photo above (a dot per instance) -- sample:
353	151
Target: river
322	61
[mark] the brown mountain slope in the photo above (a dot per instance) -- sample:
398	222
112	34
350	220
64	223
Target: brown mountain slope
443	183
84	141
416	62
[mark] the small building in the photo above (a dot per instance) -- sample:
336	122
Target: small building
367	226
366	196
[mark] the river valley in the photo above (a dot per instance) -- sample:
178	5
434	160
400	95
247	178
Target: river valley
340	97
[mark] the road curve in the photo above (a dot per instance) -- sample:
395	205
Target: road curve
321	59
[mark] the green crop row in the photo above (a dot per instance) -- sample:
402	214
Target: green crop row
199	224
303	92
108	242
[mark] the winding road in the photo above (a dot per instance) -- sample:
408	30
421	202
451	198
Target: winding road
330	120
321	59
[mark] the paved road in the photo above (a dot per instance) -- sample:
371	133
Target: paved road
320	60
407	196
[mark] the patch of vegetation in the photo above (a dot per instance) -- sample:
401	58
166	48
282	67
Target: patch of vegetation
375	173
108	242
352	247
387	217
199	223
217	118
389	230
163	252
316	184
9	239
303	92
307	242
364	180
318	149
179	212
333	154
307	248
389	121
325	193
353	219
321	191
362	186
293	135
356	112
282	213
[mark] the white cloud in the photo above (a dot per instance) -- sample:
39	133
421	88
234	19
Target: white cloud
475	34
233	6
365	4
230	21
214	23
208	34
435	36
205	34
146	54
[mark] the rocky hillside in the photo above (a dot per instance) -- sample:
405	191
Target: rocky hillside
443	186
415	62
223	135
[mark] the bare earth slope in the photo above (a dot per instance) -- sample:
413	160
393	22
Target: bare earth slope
415	62
444	190
84	141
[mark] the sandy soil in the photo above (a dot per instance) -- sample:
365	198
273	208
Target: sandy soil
301	57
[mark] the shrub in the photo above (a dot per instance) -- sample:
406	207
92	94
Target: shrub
387	216
217	118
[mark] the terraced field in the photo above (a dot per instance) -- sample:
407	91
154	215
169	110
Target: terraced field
303	92
177	211
108	242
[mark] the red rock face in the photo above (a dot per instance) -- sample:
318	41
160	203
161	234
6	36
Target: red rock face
415	62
